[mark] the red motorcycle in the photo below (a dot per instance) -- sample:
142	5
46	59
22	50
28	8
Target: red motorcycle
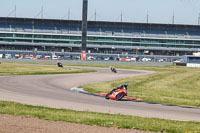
113	69
117	94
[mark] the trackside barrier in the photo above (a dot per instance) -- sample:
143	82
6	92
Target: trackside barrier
193	65
179	64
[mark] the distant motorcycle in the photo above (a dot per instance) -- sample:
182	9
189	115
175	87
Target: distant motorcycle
117	94
59	64
113	69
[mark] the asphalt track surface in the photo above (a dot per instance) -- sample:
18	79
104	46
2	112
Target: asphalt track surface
55	91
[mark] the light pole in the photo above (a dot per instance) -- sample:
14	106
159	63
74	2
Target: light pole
84	30
84	25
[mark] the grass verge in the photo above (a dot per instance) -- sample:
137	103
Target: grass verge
99	119
171	85
31	69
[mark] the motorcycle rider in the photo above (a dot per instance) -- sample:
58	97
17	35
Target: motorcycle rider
112	69
119	87
59	64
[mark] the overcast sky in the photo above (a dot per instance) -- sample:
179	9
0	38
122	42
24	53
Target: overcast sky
160	11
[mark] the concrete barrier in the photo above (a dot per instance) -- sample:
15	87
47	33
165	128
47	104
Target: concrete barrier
193	65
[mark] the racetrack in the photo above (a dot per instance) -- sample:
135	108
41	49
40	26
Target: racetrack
54	91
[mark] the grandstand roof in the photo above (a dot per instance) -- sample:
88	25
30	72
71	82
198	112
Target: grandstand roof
98	24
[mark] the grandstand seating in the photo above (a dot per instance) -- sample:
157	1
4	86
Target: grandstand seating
101	31
66	34
137	30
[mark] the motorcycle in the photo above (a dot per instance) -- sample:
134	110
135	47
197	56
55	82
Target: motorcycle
117	94
113	69
59	64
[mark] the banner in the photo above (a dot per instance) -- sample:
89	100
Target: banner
83	56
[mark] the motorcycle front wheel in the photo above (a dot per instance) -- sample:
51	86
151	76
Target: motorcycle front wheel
107	97
119	96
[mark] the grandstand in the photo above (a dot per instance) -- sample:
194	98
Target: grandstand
29	34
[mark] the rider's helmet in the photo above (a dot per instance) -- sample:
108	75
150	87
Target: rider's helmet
126	84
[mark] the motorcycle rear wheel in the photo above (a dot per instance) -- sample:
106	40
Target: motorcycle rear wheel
119	96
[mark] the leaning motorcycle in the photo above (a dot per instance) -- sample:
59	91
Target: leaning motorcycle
59	64
113	69
117	94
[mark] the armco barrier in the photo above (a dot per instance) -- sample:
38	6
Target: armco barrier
179	64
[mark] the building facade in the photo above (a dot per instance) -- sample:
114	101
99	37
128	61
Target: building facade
28	34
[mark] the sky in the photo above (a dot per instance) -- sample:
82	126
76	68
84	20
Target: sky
160	11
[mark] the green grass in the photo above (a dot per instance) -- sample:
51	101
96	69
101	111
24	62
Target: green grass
99	119
170	85
31	69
